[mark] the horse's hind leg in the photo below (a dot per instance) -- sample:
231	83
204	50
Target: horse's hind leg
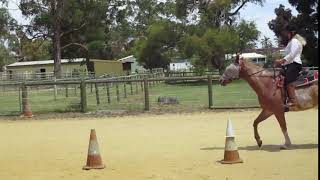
262	116
282	122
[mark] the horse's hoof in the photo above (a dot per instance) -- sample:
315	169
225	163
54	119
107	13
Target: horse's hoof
285	146
259	142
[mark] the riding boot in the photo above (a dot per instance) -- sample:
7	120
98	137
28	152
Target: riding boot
292	96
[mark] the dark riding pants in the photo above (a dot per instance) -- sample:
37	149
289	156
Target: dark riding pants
291	72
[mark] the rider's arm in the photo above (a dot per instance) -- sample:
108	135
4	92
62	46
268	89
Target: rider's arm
295	48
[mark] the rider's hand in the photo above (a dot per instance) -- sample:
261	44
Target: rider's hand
279	61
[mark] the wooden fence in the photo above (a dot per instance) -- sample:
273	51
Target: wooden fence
146	81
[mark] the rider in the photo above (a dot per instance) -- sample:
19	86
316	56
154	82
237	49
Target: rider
291	63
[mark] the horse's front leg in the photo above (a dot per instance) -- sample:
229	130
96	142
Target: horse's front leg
262	116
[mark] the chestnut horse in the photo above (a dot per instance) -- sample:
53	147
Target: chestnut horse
270	96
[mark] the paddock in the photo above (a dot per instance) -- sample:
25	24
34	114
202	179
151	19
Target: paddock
183	146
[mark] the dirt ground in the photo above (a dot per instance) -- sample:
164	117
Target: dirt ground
159	147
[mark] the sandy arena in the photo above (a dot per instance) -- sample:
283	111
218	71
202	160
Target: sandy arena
159	147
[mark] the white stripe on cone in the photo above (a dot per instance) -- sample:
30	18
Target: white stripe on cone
230	144
229	132
93	148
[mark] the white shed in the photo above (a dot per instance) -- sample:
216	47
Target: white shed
181	65
254	57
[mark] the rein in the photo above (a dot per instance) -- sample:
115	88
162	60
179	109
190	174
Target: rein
274	73
256	72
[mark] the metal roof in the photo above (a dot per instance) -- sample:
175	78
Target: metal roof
129	59
32	63
247	55
252	55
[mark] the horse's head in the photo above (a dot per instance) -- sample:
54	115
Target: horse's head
231	72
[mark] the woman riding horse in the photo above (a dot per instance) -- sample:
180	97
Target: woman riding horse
291	63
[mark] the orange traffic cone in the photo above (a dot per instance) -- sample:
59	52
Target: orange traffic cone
26	111
231	155
94	159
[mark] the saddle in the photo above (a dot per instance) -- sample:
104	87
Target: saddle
306	77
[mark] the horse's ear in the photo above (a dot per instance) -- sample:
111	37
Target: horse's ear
236	61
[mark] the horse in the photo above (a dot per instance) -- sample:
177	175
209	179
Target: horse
270	95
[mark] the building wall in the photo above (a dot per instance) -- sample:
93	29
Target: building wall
100	66
107	67
66	68
136	67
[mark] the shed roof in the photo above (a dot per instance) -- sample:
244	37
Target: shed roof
251	55
128	59
32	63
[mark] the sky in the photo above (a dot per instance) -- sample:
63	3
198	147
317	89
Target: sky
261	15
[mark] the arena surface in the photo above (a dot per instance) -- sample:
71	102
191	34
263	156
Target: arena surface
159	147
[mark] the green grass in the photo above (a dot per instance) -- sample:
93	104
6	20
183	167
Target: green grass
235	94
191	96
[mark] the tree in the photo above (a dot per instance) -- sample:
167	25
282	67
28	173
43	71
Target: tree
266	42
62	22
306	23
153	51
211	47
46	22
248	34
6	27
217	16
213	13
280	22
5	57
26	49
6	22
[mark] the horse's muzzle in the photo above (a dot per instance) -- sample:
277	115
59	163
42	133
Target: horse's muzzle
224	82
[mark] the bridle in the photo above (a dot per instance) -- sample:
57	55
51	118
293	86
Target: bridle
238	64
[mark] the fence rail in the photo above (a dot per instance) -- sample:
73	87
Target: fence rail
134	92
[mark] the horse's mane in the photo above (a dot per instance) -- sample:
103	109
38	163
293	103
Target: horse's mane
255	67
251	65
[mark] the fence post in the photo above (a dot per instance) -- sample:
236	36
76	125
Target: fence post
146	95
153	82
83	96
131	88
108	93
67	92
124	90
210	91
20	102
117	91
97	93
55	89
141	84
136	87
25	102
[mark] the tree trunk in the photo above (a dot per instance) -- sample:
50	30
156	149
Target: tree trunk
56	10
